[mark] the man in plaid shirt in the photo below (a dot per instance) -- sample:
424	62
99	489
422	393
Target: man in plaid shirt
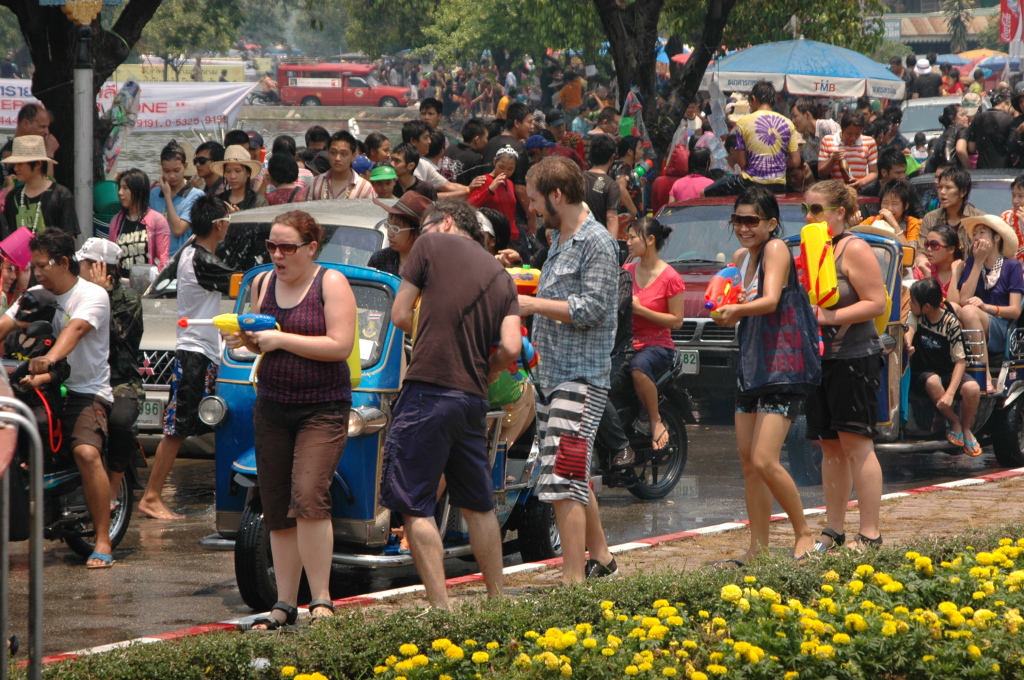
574	331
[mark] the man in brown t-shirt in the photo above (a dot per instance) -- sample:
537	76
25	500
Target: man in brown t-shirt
466	302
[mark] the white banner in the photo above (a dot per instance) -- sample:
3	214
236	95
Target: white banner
163	106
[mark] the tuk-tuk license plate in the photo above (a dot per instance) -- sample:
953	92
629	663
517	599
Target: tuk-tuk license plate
691	361
152	413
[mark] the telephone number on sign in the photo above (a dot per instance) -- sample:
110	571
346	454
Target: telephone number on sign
154	123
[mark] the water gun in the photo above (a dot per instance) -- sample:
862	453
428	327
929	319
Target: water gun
526	277
642	168
233	323
816	266
723	289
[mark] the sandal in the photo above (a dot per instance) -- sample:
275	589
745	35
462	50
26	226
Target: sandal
862	542
728	564
835	540
105	560
955	438
320	604
291	614
664	436
972	448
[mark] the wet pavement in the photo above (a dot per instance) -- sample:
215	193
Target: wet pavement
162	580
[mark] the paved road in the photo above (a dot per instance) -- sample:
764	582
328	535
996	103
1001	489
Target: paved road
162	580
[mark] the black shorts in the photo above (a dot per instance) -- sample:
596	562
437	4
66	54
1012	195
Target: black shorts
785	405
847	398
918	380
194	377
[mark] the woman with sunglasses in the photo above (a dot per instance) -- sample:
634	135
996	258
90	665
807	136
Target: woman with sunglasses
404	228
945	260
763	420
842	410
141	232
300	418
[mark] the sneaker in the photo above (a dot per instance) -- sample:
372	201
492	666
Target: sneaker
595	569
623	458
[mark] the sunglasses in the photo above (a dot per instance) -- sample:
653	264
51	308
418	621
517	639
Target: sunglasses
201	160
935	245
423	227
749	221
815	208
286	248
395	229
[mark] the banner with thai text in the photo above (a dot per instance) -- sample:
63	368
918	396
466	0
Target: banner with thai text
163	106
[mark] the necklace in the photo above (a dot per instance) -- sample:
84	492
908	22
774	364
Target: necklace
23	205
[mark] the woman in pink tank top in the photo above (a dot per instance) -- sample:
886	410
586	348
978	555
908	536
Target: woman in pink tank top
300	419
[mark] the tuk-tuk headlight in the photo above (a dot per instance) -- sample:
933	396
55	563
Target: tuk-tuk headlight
889	343
213	410
364	420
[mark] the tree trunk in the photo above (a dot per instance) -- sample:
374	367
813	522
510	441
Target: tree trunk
632	33
499	59
687	81
50	37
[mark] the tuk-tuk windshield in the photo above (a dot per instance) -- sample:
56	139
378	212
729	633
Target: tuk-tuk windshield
373	310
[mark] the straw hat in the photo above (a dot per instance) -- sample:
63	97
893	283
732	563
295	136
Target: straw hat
236	153
1000	227
740	108
879	228
27	149
190	155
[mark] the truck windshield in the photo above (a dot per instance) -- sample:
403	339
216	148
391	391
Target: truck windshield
702	233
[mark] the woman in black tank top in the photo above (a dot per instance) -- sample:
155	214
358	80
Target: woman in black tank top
842	412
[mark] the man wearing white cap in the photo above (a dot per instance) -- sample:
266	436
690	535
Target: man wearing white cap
99	260
927	83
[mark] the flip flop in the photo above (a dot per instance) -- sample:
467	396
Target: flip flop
106	560
972	448
955	438
728	564
664	435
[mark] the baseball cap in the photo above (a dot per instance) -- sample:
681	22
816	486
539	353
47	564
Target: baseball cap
971	103
361	164
382	172
255	139
99	250
555	118
537	142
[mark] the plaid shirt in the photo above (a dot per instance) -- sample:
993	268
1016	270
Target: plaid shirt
582	271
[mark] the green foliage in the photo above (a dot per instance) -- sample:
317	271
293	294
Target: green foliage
10	34
892	48
319	28
266	23
379	27
846	23
988	37
182	27
958	21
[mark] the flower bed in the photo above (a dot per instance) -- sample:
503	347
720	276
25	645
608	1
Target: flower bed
959	618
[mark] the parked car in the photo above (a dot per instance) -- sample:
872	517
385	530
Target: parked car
922	115
336	84
353	230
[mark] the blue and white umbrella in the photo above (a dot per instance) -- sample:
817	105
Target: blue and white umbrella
805	67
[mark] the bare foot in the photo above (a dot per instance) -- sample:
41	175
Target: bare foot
157	510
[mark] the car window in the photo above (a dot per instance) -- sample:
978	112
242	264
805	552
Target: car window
352	245
356	82
917	118
373	81
702	233
373	310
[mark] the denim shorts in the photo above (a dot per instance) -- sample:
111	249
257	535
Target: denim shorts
652	361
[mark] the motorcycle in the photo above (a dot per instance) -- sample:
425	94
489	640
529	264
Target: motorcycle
65	515
362	527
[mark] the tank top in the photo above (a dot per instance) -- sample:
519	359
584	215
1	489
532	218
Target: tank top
287	378
851	341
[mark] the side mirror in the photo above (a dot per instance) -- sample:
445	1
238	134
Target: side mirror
236	285
909	254
142	277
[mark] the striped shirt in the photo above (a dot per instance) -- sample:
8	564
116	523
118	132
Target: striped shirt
859	156
322	189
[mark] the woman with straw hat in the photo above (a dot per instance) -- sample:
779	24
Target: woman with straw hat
39	203
237	168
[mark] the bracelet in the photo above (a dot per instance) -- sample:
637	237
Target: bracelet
997	309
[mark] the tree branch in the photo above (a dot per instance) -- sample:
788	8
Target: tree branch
111	48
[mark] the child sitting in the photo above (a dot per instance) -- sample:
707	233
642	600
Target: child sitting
940	362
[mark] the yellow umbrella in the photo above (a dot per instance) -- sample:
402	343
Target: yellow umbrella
974	55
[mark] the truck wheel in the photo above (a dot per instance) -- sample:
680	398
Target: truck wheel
120	517
1008	436
389	102
538	532
308	101
804	455
254	565
659	471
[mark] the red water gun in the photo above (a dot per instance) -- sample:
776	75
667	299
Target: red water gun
723	289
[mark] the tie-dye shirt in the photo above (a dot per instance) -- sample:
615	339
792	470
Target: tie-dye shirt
768	138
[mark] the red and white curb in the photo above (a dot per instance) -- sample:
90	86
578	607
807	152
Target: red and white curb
372	598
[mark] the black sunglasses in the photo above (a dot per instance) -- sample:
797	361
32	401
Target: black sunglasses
201	160
286	248
749	221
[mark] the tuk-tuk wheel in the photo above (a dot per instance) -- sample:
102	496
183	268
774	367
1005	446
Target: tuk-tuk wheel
1008	436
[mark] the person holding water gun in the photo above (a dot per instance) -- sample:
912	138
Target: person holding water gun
657	308
763	419
842	411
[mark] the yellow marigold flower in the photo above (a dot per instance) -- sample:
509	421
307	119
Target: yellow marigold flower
984	558
455	653
589	643
750	579
649	622
743	604
825	651
657	632
470	642
808	646
856	586
669	672
377	670
703	614
716	656
608	651
400	666
893	587
790	675
901	610
827	588
607	614
868	605
584	628
492	645
865	570
947	608
419	660
408	649
565	671
289	671
390	661
856	622
633	670
888	629
928	657
830	576
956	619
531	634
568	640
674	620
978	595
444	676
645	666
660	603
780	611
637	633
880	579
614	642
974	651
607	604
912	555
441	644
767	593
523	661
689	644
718	622
841	639
697	675
399	677
731	593
716	669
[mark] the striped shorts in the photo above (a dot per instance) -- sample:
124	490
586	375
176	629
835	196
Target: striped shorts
566	426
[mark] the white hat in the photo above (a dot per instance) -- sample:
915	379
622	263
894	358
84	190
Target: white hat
99	250
998	226
923	68
28	149
485	224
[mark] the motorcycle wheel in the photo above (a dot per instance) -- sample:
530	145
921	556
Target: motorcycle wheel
804	455
1008	436
658	472
119	520
254	564
537	530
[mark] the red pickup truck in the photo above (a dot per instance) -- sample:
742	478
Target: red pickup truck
336	84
